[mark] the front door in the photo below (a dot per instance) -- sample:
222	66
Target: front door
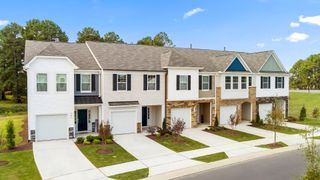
82	120
144	116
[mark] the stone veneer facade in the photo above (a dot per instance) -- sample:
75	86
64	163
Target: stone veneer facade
263	100
193	104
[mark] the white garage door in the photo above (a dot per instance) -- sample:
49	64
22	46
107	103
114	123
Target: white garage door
51	127
225	112
182	114
123	122
264	109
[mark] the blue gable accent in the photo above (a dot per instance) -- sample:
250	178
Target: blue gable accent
236	66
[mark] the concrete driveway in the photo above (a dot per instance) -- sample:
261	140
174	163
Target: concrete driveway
61	159
151	154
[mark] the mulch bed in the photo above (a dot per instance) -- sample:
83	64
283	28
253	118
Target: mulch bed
104	151
25	144
3	163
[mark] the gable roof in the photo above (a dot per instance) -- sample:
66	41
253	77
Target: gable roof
236	65
79	54
272	65
113	56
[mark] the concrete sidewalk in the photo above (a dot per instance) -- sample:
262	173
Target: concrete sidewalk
61	159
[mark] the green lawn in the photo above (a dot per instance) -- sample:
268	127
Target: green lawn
18	122
310	122
21	166
184	144
297	100
316	137
212	157
132	175
10	106
281	129
273	146
118	155
234	134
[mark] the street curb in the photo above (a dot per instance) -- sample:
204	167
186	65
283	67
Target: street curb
220	164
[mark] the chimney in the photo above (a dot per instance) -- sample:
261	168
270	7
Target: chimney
190	46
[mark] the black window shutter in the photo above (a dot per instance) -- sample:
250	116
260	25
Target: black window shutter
93	82
115	82
210	82
145	81
128	82
178	82
269	82
275	82
200	82
189	82
261	83
158	82
282	82
78	82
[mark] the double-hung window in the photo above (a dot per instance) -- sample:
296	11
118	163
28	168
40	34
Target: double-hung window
151	83
42	82
183	82
61	82
205	82
227	82
85	82
265	82
122	82
235	82
243	82
279	82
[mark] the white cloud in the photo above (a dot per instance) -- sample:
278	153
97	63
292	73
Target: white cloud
294	24
296	37
260	45
193	12
315	20
276	39
4	22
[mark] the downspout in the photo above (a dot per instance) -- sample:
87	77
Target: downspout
165	96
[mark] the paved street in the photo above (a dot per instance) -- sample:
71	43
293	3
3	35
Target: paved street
284	166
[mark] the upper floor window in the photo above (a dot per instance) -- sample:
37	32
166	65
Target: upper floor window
61	82
122	82
265	82
205	83
42	82
228	82
279	82
151	83
243	82
85	82
250	81
183	82
235	82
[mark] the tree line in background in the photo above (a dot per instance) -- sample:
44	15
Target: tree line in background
305	74
12	44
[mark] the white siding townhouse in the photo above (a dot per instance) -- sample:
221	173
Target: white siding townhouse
72	88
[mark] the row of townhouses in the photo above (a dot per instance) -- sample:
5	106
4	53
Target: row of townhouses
73	87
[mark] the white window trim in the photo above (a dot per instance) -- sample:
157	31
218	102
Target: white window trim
236	81
203	89
65	83
245	82
89	91
225	82
155	82
183	83
267	82
126	89
37	83
281	82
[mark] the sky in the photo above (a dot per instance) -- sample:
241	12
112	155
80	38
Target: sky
289	27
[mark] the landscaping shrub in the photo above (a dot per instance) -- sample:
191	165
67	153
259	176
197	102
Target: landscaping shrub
96	141
90	138
258	120
86	142
303	113
152	130
177	127
79	140
97	137
216	122
292	119
13	108
164	130
315	112
109	141
105	132
10	135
